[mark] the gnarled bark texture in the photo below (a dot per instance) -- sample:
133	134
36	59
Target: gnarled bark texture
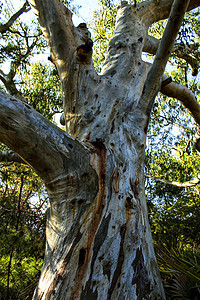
99	243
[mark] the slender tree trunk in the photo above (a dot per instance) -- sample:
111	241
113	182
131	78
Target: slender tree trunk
13	245
7	297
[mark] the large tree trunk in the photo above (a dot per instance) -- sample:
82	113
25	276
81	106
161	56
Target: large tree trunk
98	239
99	243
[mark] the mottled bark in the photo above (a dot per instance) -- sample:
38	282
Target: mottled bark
99	243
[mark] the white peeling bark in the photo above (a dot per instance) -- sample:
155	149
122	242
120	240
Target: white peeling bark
99	243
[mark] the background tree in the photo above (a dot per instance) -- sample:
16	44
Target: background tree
22	231
116	152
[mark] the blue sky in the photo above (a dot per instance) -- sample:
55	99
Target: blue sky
84	13
86	10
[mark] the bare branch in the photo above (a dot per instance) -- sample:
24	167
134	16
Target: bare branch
187	98
152	83
176	183
5	27
155	10
56	23
184	95
8	79
67	43
41	144
151	45
182	51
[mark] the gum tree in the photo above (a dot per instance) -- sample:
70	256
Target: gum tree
98	239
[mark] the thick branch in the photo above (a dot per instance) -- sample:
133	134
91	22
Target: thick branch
166	45
44	146
186	97
5	27
155	10
71	47
176	183
56	23
182	51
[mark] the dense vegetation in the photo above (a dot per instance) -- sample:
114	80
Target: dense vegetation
172	163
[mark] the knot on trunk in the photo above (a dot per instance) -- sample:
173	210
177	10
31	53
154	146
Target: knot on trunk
197	144
84	52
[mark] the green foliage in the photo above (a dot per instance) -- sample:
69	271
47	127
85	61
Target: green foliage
23	206
181	272
23	202
41	86
18	42
103	26
172	158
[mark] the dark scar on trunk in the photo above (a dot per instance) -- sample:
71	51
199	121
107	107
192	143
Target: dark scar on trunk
119	263
166	82
98	242
140	277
